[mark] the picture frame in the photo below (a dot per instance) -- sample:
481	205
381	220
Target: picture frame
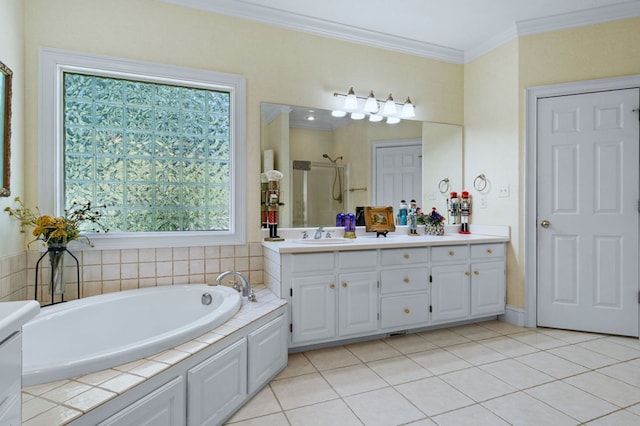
6	77
379	219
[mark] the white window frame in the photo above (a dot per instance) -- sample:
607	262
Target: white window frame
54	63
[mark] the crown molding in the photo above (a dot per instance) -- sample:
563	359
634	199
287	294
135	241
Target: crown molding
490	44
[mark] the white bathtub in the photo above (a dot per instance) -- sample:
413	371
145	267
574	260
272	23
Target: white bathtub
99	332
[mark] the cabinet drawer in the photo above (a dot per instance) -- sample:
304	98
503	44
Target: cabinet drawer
357	259
404	280
404	256
309	262
400	311
487	251
447	253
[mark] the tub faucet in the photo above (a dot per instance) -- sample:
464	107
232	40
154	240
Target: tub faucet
246	287
318	233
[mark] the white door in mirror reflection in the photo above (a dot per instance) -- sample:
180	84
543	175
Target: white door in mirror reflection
398	172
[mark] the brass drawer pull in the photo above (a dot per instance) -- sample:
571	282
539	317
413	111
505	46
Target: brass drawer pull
344	285
489	251
406	280
406	255
332	285
406	310
467	273
452	253
476	273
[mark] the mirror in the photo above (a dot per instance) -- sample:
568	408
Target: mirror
5	128
329	163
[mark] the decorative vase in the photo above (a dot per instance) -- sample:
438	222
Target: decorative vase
56	260
431	229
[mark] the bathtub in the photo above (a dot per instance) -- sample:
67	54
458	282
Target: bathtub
92	334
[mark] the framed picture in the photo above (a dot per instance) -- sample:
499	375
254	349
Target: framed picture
5	128
379	219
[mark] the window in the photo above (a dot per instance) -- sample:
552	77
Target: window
163	147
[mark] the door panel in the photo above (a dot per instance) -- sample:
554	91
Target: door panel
398	174
588	191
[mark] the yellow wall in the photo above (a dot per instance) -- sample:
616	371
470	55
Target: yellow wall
12	55
281	66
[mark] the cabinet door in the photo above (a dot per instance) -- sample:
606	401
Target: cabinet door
313	308
358	303
162	407
217	386
487	288
267	352
450	292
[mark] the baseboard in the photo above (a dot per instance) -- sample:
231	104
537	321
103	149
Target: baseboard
513	316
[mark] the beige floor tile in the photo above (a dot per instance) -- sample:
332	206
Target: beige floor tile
508	346
353	379
502	327
433	396
539	340
551	364
302	390
328	358
439	361
443	337
399	370
298	365
373	350
121	382
423	422
410	343
612	349
383	407
583	356
475	353
572	401
277	419
524	410
569	336
475	415
632	342
607	388
635	409
516	374
477	384
475	332
263	403
34	407
327	413
619	418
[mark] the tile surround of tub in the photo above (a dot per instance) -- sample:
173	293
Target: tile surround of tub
107	271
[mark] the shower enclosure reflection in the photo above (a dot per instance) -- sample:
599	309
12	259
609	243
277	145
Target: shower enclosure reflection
318	191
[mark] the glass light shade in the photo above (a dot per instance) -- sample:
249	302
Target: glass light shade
372	103
407	109
337	113
351	102
393	120
389	106
374	118
357	115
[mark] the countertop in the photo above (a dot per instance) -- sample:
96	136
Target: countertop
14	314
293	242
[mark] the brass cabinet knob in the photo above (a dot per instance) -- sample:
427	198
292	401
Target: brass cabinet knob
451	253
476	273
406	256
332	285
467	273
406	280
406	310
344	285
489	251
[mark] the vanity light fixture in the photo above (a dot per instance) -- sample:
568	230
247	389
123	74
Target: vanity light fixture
358	107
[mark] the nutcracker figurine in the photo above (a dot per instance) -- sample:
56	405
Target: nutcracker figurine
465	211
413	218
454	209
273	202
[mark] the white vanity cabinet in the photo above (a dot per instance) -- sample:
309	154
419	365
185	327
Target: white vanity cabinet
488	279
332	295
404	287
267	352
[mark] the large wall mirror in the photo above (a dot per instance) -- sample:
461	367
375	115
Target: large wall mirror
5	128
333	165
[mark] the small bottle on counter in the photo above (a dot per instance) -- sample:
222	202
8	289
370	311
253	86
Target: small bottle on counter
340	220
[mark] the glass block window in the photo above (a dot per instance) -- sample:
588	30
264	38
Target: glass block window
157	155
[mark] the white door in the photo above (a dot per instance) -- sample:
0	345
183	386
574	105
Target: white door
398	174
587	212
358	303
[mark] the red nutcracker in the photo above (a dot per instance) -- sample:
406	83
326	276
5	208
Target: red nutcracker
465	212
273	202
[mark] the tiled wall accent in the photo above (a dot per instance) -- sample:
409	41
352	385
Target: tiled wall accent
13	278
106	271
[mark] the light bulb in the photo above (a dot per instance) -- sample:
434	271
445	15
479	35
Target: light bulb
393	120
407	109
389	106
372	103
374	118
338	113
351	102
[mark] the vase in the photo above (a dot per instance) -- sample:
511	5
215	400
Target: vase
56	260
434	229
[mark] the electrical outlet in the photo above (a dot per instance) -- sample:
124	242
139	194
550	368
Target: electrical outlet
483	202
503	191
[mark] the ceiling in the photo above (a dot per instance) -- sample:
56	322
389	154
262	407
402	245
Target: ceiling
450	30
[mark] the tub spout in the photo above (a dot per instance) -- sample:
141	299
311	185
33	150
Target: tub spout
246	287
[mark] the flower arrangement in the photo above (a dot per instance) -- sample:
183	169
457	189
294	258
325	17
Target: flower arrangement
61	229
433	222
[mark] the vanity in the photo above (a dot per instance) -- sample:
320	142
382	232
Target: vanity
371	287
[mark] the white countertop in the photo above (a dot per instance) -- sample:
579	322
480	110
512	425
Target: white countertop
367	240
14	314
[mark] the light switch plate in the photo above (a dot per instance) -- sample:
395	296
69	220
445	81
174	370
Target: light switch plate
503	191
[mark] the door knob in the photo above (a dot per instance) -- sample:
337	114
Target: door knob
545	223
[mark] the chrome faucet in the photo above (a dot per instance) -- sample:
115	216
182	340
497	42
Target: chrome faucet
246	287
318	233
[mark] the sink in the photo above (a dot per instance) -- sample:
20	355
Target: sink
323	241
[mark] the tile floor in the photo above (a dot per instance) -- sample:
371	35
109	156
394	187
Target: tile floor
491	373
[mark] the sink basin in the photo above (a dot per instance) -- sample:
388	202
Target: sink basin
323	241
